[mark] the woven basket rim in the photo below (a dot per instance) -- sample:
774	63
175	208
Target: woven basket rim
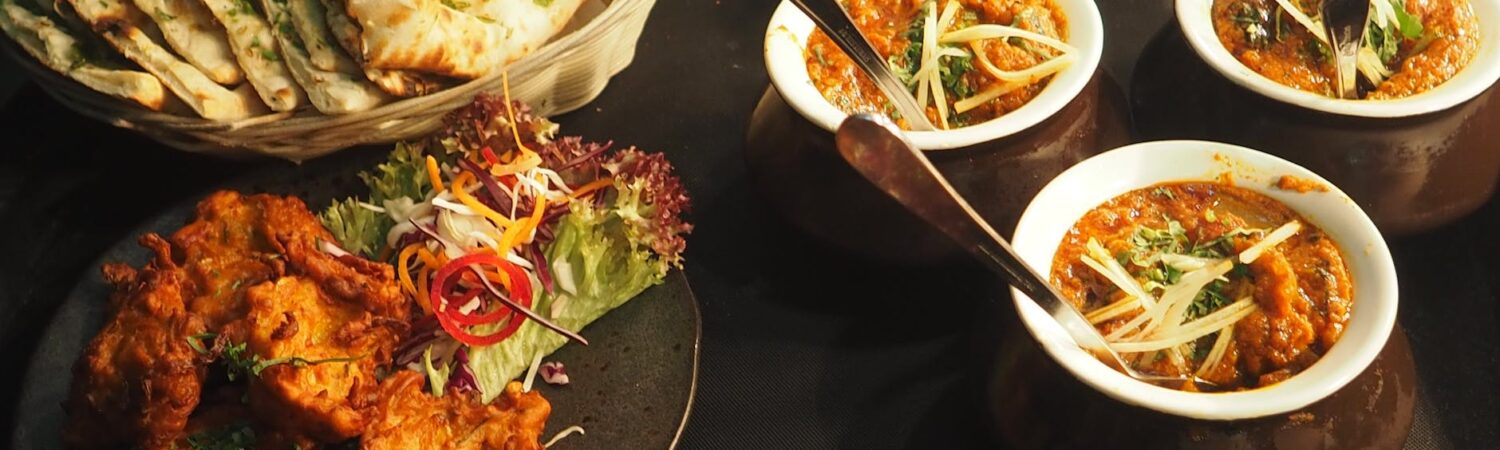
130	115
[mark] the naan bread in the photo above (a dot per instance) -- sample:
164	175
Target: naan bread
400	83
307	17
340	89
259	55
192	31
128	30
429	36
56	48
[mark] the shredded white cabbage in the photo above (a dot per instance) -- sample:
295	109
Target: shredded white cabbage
1275	237
531	372
1204	326
1221	346
562	434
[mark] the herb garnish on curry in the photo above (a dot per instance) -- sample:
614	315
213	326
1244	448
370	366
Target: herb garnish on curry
975	59
1410	46
1209	280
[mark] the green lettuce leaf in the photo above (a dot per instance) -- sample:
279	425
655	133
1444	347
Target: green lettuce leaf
595	251
358	229
403	175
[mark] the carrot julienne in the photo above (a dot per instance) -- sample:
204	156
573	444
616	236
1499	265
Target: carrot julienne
403	271
592	186
434	175
459	191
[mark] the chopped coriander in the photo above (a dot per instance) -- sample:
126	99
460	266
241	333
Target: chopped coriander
237	436
242	362
1210	299
913	54
952	73
1252	20
1200	352
242	7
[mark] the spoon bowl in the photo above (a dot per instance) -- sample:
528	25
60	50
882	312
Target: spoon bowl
1344	22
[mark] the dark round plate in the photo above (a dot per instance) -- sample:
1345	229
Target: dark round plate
632	388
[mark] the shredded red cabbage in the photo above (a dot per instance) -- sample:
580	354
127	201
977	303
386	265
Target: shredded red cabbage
424	331
543	273
554	373
462	379
501	202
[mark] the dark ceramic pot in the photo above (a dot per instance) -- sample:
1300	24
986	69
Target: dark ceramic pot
1031	402
1411	174
799	172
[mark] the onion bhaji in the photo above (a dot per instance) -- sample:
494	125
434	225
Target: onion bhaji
252	289
138	380
408	418
253	271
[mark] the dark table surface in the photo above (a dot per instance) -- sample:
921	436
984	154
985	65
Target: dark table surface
803	345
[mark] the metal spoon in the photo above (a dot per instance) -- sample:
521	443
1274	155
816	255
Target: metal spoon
1345	21
834	21
876	148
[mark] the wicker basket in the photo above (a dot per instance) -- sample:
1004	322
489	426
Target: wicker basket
561	76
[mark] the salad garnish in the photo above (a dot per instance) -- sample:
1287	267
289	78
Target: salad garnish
511	239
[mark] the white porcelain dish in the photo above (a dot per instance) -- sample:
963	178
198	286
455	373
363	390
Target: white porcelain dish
1085	186
786	41
1195	19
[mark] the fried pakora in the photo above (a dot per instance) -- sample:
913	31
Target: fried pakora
408	418
257	275
138	380
334	348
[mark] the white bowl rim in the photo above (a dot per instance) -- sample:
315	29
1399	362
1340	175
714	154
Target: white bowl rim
1372	316
786	34
1193	16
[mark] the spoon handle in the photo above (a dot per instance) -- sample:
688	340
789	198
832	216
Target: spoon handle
1346	57
1344	22
906	175
836	23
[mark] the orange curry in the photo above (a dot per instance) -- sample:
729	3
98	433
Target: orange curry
1295	296
894	28
1417	46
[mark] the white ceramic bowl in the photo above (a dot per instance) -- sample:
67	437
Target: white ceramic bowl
786	41
1090	183
1195	18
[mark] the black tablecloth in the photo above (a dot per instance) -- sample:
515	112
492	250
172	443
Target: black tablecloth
803	346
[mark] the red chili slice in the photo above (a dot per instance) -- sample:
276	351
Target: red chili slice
452	320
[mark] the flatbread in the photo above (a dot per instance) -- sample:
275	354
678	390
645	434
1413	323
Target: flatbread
192	32
128	30
258	53
400	83
56	48
307	17
341	89
429	36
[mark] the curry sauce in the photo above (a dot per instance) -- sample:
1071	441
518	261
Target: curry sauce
894	27
1428	45
1298	292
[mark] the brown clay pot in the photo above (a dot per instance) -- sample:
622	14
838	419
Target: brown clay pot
1031	402
1410	174
800	173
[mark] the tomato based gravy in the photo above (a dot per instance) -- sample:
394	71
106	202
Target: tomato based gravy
894	28
1259	323
1429	42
